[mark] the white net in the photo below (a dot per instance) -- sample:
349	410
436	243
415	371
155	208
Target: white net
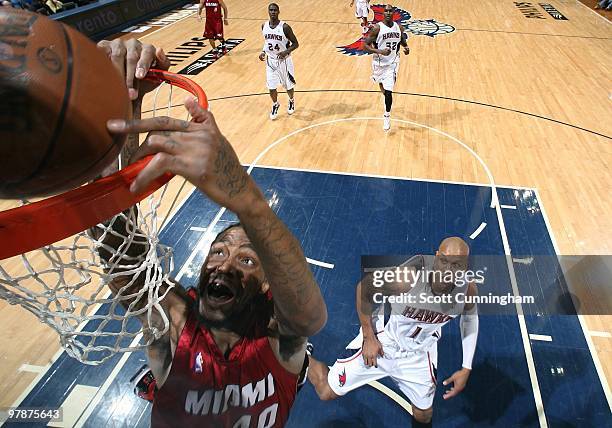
102	289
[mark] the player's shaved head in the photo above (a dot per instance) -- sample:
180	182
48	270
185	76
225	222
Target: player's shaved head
454	246
273	5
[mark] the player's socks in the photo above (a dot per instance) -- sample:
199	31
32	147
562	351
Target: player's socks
417	424
387	121
274	111
291	106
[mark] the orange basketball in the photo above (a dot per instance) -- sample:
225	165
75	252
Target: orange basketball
57	90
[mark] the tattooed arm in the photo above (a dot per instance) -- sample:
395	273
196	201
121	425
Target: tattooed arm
199	152
299	306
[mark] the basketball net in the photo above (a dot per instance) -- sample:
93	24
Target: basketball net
65	284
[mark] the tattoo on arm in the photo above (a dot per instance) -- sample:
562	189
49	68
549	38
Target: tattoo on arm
231	176
131	144
297	298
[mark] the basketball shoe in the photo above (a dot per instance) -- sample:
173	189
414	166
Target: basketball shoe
291	106
274	111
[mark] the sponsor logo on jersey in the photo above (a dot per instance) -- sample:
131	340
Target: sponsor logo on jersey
342	378
418	27
550	9
209	58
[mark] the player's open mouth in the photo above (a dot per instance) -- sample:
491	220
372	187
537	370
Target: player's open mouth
219	292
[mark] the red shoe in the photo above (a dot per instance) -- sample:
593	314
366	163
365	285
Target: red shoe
144	383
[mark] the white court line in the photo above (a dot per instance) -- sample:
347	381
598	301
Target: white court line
318	263
74	404
600	333
477	231
523	261
541	337
508	207
109	380
33	369
394	177
585	330
198	229
392	395
592	10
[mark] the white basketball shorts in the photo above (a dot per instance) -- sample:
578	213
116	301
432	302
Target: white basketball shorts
280	73
413	372
385	74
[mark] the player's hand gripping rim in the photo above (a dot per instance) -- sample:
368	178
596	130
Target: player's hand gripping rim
133	60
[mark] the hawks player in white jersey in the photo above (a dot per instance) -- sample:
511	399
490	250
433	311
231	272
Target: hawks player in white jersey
279	42
405	346
383	42
362	9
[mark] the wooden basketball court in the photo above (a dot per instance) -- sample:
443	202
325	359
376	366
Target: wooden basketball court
488	95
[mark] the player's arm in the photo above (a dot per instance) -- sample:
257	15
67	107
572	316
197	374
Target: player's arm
200	8
200	153
370	40
469	336
294	42
404	40
352	2
371	347
225	15
262	55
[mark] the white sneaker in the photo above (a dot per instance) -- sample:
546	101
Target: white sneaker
387	121
274	111
291	107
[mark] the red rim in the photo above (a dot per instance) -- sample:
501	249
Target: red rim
41	223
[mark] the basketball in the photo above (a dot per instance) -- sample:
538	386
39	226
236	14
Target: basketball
57	91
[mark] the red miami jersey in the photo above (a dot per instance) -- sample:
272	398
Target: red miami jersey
213	10
249	389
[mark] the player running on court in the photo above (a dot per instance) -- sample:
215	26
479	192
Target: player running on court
383	42
213	29
279	42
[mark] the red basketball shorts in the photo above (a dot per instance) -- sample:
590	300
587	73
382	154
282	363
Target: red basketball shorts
213	29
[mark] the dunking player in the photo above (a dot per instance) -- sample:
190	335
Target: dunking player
383	41
213	29
236	343
405	348
362	8
279	42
